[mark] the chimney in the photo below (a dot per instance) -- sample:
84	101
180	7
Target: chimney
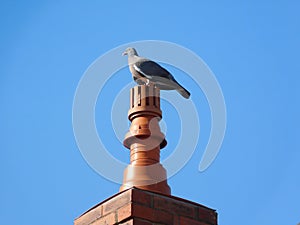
145	196
145	140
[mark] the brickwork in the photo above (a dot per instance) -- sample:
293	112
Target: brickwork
139	207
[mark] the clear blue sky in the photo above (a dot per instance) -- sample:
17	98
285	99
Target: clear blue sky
252	48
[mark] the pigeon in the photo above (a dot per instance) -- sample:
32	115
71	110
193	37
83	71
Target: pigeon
147	72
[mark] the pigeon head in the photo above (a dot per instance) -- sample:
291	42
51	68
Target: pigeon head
130	52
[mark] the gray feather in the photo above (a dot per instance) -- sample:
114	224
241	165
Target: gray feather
144	70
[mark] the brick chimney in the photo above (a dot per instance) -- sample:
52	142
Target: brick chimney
145	197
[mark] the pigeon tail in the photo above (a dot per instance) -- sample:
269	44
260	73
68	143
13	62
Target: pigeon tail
185	93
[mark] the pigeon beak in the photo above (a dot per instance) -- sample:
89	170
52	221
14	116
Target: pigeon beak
124	53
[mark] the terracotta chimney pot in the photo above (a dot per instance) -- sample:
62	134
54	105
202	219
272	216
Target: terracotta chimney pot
144	140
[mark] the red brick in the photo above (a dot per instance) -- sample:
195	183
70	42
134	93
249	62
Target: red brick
189	221
89	216
142	197
136	221
174	206
141	222
117	202
129	222
207	215
175	220
109	219
140	207
124	212
155	216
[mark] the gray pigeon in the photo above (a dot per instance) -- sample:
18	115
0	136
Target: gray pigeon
145	72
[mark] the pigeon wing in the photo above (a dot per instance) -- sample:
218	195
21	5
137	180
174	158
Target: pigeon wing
151	70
